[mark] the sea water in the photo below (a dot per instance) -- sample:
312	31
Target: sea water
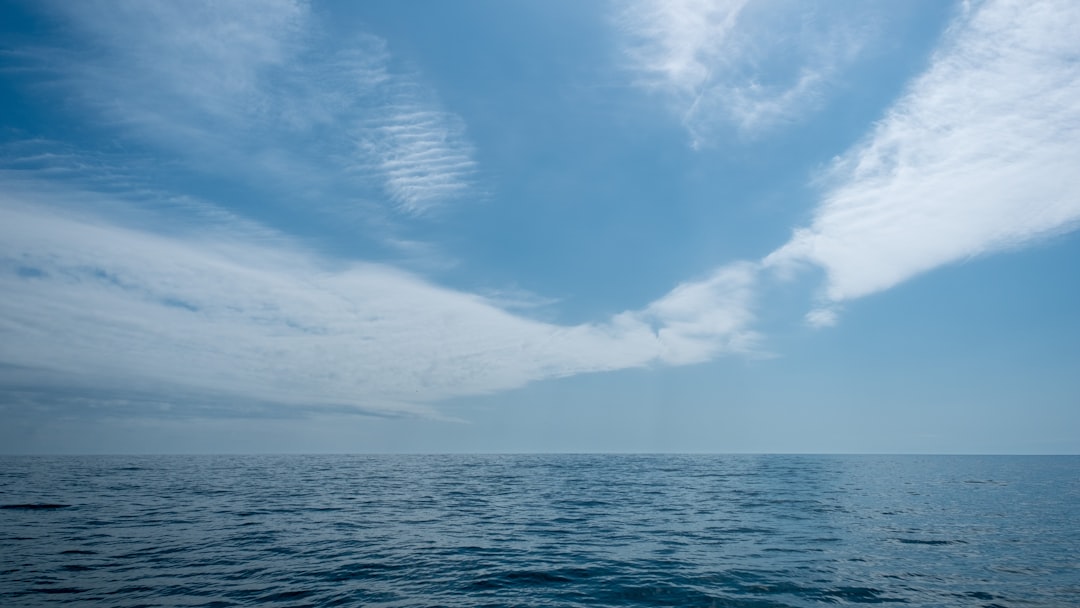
540	530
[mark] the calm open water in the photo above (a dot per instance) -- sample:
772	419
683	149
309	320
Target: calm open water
540	530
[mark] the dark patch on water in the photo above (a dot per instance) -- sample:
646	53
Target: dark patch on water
519	578
60	590
980	595
132	589
920	541
860	595
35	506
285	596
359	571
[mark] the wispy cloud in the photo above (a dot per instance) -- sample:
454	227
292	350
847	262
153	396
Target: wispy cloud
123	293
701	319
979	155
105	306
252	91
723	63
421	153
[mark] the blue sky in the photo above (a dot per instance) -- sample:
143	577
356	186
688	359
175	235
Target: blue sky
684	225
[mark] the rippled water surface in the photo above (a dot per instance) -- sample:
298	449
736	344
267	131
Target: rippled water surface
565	530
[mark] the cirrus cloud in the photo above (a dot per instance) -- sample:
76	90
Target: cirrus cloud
99	304
722	63
978	156
253	91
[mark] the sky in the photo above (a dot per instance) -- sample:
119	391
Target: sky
482	226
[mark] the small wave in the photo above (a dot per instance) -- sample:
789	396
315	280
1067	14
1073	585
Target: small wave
519	578
741	530
861	595
535	577
35	506
284	596
359	570
980	595
920	541
60	590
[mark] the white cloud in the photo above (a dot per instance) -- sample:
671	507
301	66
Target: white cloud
979	155
699	319
200	54
728	62
251	90
822	317
97	304
421	153
679	41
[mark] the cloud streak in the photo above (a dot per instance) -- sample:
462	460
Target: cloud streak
104	306
978	156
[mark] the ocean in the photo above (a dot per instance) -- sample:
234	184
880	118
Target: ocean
762	531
